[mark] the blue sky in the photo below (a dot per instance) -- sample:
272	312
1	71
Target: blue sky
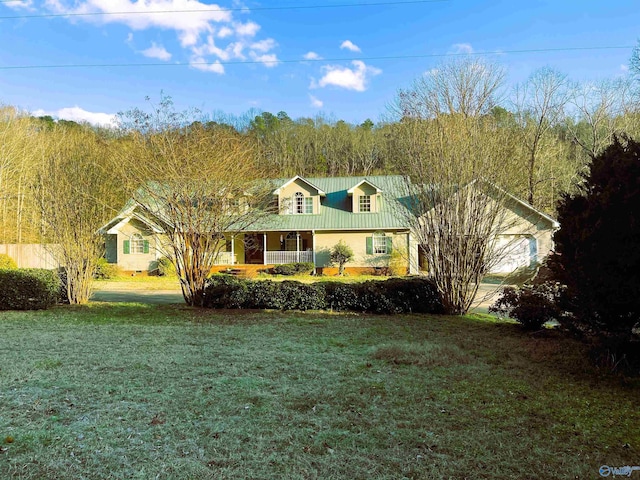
262	55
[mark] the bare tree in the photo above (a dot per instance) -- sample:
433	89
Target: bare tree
467	86
21	145
453	202
198	183
76	193
540	104
602	108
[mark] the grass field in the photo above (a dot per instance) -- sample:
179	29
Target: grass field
168	392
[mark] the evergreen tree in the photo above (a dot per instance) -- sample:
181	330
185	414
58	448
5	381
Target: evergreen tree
599	241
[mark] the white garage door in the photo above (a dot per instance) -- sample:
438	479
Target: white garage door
513	252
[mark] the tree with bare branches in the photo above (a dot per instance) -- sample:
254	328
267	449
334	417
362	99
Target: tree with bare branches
540	104
467	86
453	201
602	110
76	192
198	183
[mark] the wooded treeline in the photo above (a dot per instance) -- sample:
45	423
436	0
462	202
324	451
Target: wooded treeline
546	130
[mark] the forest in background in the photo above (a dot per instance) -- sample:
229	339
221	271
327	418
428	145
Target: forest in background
546	130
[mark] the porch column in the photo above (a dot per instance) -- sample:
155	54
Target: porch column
233	249
313	249
298	247
264	249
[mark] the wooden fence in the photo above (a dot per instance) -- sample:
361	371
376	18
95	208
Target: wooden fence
31	255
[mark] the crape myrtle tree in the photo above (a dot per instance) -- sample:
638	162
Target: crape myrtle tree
200	183
598	256
76	192
455	160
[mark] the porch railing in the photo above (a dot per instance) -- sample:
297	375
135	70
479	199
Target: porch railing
224	258
280	257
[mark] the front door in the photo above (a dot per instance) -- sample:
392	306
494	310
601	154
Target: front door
254	248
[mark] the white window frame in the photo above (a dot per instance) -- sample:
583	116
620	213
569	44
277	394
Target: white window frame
364	203
136	246
302	204
379	243
291	242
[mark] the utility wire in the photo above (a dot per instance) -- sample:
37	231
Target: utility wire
250	62
204	10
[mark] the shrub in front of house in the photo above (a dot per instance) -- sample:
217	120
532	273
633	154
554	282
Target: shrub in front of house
407	295
165	267
531	305
341	297
28	289
299	268
7	263
106	270
398	295
225	291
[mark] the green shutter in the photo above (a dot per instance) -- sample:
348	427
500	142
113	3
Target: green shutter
126	246
369	245
145	247
389	244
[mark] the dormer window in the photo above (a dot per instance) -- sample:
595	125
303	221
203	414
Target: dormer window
365	197
364	203
302	204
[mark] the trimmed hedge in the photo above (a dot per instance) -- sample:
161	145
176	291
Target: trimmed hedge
294	268
417	295
28	289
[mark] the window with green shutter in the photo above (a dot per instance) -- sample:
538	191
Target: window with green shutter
380	243
369	245
145	246
126	247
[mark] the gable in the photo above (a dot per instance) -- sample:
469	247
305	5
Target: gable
298	184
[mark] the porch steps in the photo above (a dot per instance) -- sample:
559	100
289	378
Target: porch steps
242	271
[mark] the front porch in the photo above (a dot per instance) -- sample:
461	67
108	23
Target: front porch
271	248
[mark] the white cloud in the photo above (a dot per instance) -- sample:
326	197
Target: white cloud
225	32
349	45
264	45
268	60
78	114
355	78
210	48
195	31
189	27
461	48
17	4
202	65
311	56
156	51
624	68
315	102
248	29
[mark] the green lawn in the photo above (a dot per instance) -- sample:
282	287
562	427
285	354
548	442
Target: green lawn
168	392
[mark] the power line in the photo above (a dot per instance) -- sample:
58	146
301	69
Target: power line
253	62
239	9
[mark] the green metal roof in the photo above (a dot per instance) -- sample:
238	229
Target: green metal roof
336	210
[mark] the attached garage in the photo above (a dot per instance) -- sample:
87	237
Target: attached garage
513	252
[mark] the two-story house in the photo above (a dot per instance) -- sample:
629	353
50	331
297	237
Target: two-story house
314	214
